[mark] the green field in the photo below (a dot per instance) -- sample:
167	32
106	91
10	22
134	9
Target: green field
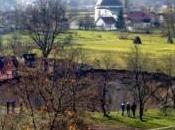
96	44
153	119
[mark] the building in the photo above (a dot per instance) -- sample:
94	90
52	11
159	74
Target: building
2	29
106	23
138	21
107	13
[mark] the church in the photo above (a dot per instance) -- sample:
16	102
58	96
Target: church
108	14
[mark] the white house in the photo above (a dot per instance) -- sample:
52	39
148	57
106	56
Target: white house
106	23
107	12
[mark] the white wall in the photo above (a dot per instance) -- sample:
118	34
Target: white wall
100	24
103	13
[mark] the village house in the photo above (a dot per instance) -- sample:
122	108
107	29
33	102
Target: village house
107	14
106	23
138	21
2	29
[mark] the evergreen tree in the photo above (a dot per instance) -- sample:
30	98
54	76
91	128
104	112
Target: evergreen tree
121	21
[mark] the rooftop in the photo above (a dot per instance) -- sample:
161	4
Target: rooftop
109	3
109	20
139	16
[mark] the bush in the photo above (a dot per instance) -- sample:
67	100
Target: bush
99	36
137	40
70	121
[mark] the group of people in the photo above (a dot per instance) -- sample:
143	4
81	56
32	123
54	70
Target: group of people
11	107
130	109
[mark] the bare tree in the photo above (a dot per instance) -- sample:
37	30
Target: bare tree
16	45
142	87
106	64
169	21
65	90
1	46
44	21
169	63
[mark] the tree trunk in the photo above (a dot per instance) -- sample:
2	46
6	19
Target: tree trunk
74	99
174	103
103	105
170	38
141	111
104	108
45	55
53	121
173	96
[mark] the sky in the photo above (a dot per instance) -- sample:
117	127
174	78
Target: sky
24	2
8	4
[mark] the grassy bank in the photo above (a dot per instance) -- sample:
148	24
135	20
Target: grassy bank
153	119
97	44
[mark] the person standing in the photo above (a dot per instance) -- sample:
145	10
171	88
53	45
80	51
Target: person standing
21	107
13	103
133	108
8	107
128	108
123	108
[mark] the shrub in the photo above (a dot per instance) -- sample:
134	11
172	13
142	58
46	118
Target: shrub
137	40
